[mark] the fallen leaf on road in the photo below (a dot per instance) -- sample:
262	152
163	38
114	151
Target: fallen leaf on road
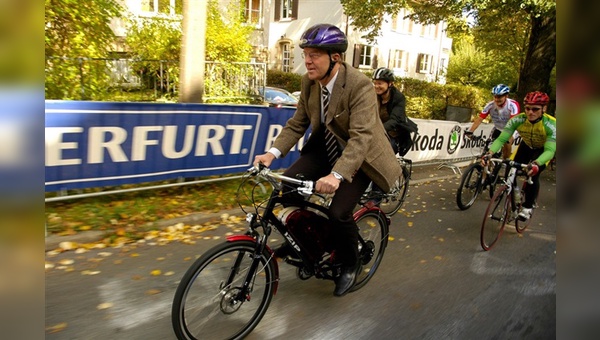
56	328
153	292
66	262
90	272
169	273
437	258
155	272
104	305
410	224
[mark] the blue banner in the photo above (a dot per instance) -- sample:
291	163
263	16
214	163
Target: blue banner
96	144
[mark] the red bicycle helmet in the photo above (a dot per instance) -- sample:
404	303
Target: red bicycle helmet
536	98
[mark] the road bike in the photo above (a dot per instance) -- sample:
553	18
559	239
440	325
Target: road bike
390	202
477	177
227	290
505	205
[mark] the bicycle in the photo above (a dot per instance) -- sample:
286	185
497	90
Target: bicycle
477	178
390	202
505	205
226	292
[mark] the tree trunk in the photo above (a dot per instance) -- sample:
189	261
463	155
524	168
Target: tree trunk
191	74
540	58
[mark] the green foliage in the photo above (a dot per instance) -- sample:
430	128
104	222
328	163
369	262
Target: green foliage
73	29
285	80
227	35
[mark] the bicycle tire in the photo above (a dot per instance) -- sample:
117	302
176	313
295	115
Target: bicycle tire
202	311
392	202
470	186
495	218
373	229
520	225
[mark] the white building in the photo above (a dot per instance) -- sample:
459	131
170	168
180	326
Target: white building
410	49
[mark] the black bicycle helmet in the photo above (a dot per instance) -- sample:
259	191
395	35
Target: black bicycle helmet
384	74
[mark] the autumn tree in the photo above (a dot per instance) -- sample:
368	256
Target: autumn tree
527	27
75	32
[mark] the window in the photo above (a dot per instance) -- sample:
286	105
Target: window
399	60
252	11
424	62
286	10
286	57
169	7
366	54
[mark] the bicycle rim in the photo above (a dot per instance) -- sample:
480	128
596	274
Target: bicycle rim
470	186
205	304
495	218
392	202
373	229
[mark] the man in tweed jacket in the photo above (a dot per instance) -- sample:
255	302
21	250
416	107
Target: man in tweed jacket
352	117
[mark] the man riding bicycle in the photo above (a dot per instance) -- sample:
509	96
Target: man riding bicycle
348	146
538	143
501	110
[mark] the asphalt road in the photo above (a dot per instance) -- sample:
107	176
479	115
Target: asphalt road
435	282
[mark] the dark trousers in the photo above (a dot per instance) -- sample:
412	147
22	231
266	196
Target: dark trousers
525	154
313	164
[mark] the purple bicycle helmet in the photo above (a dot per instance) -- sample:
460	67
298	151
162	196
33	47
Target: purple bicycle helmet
326	37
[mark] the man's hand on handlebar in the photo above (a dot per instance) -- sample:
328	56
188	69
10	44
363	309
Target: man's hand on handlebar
265	159
327	185
485	158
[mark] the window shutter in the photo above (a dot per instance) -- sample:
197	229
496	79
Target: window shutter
419	57
356	58
277	10
375	57
295	9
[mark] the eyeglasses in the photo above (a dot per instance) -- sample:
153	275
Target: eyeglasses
532	109
311	56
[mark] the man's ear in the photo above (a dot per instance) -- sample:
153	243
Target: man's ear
336	57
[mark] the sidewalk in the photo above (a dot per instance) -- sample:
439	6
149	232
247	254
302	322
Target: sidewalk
420	174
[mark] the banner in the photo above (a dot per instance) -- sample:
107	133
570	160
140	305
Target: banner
93	144
98	144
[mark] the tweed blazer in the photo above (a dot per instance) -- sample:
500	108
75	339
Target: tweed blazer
354	120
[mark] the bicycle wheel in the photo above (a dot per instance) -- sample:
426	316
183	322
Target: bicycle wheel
496	216
470	186
522	225
207	303
391	203
373	231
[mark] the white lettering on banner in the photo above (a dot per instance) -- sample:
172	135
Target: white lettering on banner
113	146
55	145
112	138
274	131
170	137
140	141
238	137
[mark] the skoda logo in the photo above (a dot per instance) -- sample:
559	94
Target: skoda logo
454	139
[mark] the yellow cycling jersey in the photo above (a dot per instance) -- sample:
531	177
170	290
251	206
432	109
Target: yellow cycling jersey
541	134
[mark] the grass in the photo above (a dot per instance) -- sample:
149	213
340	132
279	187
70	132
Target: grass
133	213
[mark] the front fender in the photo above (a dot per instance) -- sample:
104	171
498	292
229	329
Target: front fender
234	238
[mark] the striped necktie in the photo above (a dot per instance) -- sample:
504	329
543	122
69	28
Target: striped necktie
333	152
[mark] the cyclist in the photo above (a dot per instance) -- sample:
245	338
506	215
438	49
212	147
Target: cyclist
501	109
538	143
339	101
392	111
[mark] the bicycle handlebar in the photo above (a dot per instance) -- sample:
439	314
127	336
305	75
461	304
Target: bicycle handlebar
514	164
305	187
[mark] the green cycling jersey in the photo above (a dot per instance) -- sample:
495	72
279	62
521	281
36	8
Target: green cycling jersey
541	134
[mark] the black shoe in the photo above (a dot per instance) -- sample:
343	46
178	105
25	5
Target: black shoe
283	251
346	280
